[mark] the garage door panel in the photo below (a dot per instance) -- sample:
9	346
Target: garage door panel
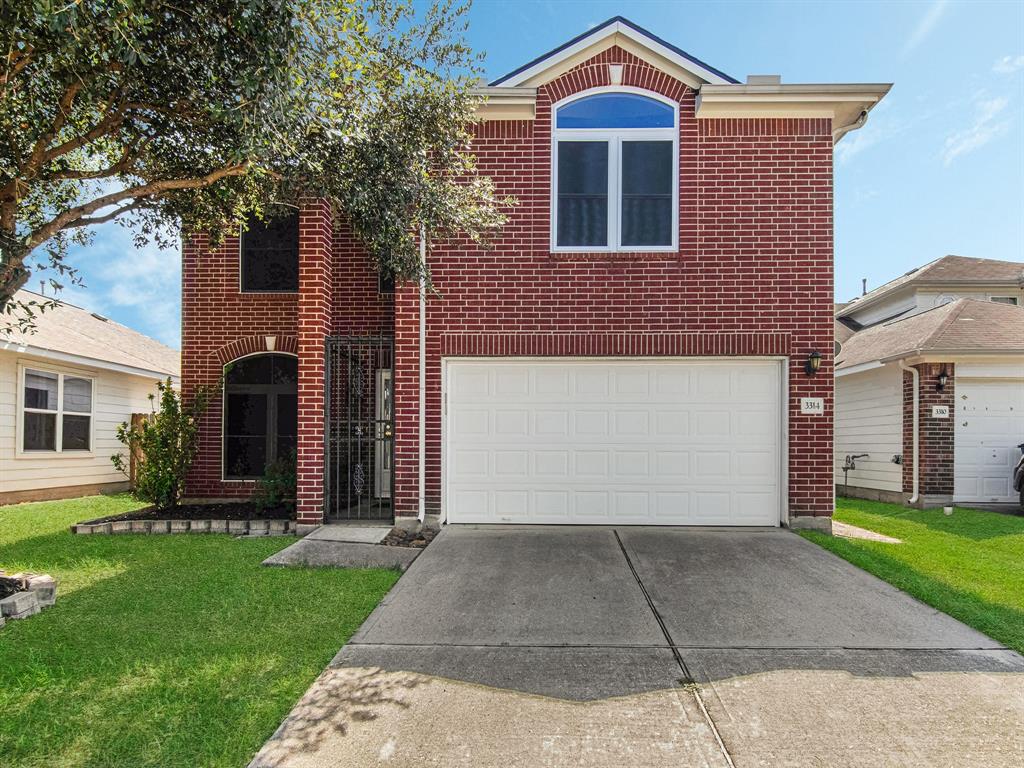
665	442
989	425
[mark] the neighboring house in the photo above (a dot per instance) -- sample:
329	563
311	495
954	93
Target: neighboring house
63	391
957	318
632	350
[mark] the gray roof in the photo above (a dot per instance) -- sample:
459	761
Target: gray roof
953	270
964	326
71	330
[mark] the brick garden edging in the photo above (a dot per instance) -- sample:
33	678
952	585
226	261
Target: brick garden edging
236	527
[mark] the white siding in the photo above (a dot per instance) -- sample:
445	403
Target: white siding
869	419
116	397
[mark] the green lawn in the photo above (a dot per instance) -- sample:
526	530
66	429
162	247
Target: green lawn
969	565
161	650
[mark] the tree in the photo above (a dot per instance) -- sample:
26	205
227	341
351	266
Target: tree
165	445
166	115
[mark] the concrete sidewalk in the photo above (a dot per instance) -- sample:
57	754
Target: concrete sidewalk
653	647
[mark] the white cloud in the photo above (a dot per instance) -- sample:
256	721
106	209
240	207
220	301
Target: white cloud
1008	65
925	26
986	126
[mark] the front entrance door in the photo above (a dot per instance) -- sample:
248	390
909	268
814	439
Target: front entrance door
359	453
385	428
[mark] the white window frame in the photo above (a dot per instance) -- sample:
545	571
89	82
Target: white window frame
614	138
58	450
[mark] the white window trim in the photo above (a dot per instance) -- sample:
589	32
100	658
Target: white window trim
58	452
614	138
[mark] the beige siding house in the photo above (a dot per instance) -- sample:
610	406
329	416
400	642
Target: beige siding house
63	391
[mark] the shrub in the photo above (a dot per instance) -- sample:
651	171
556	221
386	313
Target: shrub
165	445
277	486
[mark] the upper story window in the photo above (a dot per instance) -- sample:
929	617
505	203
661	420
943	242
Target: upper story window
615	173
56	412
1004	300
270	255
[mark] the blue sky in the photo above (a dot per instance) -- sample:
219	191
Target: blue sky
939	167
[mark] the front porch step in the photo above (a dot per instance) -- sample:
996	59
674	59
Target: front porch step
357	533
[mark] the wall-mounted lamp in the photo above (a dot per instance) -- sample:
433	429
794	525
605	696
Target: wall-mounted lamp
813	363
941	380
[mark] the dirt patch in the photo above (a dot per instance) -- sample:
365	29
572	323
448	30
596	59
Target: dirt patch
244	510
399	537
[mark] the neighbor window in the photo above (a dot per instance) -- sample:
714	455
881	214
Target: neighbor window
270	255
615	174
261	414
1005	300
56	412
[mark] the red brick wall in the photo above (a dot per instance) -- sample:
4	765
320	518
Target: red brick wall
935	444
753	273
220	324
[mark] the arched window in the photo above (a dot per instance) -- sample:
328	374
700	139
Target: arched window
261	414
615	172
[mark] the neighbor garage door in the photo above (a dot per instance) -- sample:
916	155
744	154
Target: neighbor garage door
616	442
989	426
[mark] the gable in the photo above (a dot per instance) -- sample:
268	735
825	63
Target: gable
616	32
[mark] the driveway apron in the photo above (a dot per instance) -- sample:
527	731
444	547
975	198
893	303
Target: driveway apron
598	646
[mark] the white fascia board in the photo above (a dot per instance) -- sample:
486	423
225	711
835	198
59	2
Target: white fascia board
88	362
843	102
861	368
618	28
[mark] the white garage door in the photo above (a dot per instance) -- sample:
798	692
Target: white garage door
624	442
989	426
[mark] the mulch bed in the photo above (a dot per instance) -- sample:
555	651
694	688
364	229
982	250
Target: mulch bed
244	510
399	537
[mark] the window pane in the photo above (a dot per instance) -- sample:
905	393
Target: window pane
41	390
270	255
647	193
582	193
77	395
250	370
245	456
286	369
616	110
40	432
1005	300
75	433
247	414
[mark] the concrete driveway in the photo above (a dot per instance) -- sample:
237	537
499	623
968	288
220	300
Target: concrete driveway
530	646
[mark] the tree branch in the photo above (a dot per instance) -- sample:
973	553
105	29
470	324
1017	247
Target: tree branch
87	221
72	215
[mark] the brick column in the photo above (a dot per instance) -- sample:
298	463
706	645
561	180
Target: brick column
314	322
407	394
935	442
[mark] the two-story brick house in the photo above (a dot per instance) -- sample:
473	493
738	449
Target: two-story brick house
649	341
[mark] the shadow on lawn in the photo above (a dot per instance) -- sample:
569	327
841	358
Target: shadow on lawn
183	652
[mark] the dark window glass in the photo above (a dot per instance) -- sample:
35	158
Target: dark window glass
616	110
75	433
40	432
41	390
385	282
261	413
270	255
582	193
647	193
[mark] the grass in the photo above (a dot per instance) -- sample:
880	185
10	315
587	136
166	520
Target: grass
969	565
161	651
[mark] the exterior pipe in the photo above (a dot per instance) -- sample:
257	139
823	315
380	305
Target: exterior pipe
916	376
838	133
422	514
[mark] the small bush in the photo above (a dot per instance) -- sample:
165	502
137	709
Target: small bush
277	486
166	444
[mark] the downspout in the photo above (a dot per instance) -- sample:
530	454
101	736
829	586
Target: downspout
915	375
422	514
838	133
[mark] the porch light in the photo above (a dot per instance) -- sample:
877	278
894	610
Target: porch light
942	378
813	363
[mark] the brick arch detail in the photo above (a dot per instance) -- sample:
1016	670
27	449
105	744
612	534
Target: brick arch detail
251	345
593	73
